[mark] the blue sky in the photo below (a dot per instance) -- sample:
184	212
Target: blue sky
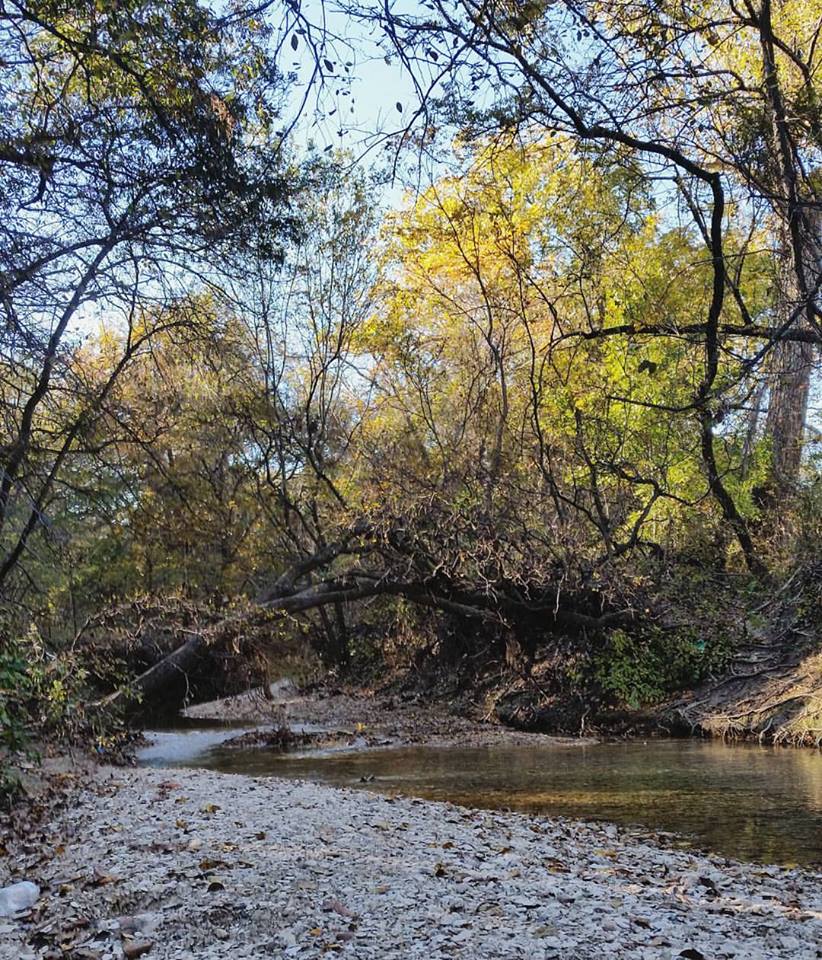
375	88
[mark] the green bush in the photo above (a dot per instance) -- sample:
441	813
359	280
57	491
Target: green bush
15	690
641	669
41	697
15	687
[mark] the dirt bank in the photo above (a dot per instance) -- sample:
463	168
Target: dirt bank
771	694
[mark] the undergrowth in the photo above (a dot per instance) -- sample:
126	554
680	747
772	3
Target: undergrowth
43	703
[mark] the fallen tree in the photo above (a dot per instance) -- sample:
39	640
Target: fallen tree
514	614
539	632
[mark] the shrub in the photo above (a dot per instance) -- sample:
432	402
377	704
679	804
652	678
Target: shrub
641	669
41	697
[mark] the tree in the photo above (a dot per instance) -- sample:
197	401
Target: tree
177	511
303	321
138	150
661	85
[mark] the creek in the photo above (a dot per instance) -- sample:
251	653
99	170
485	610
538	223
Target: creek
761	804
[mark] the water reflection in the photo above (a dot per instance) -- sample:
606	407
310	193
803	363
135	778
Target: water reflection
747	802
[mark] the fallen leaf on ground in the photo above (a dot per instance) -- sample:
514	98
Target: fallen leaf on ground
136	948
338	907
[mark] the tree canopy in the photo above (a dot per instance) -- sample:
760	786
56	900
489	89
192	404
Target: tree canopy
531	409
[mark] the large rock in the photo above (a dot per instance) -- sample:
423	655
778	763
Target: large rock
18	898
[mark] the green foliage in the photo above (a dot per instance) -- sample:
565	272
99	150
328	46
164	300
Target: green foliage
41	700
15	689
41	693
641	669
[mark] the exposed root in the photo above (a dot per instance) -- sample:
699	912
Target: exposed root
780	703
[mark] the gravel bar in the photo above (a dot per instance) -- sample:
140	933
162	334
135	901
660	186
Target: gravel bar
194	864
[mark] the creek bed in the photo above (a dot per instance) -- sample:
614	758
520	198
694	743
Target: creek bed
747	802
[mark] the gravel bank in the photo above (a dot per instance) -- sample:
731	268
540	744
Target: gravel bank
377	718
194	864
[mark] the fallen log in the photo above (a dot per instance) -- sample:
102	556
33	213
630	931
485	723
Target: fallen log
161	675
462	600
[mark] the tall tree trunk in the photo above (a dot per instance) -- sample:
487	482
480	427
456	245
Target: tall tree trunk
799	274
789	388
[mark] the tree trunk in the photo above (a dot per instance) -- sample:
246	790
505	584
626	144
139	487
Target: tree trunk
789	381
161	676
791	363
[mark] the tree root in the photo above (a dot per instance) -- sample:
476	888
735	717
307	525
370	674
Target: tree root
779	704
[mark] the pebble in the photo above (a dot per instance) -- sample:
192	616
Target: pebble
132	949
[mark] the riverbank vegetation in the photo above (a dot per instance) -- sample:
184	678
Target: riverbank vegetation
543	432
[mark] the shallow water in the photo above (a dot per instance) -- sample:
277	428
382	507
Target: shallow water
747	802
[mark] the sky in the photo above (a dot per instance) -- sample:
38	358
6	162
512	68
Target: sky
363	108
362	116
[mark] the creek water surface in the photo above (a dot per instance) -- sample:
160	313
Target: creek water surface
747	802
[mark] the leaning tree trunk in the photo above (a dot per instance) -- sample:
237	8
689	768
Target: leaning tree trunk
161	676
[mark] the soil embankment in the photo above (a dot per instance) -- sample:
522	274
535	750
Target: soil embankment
770	694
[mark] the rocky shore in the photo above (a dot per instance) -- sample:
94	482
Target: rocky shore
178	864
